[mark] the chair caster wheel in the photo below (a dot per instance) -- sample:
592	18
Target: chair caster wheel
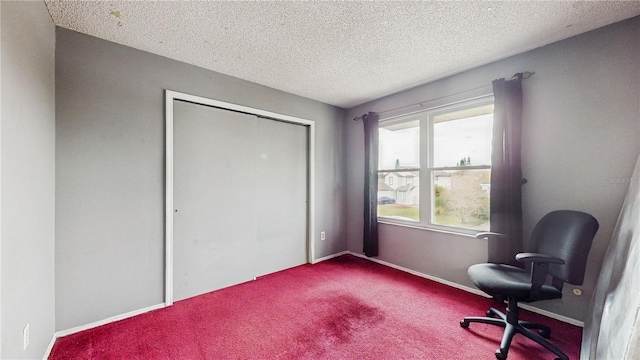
464	324
500	355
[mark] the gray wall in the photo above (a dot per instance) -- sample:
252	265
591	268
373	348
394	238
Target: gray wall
27	180
581	138
110	170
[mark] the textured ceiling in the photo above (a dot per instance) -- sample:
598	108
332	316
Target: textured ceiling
340	53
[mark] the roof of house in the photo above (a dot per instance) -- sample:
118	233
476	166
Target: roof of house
382	186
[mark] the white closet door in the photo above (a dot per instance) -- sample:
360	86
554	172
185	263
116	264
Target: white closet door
281	196
214	199
240	198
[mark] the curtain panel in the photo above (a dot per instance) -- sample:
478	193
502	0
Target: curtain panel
370	234
506	171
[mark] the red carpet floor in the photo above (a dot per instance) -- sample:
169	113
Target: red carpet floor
345	308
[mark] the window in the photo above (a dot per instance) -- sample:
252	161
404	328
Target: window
446	150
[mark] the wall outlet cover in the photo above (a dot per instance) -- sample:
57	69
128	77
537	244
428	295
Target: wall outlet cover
25	337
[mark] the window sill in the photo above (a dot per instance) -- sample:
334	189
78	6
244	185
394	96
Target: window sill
450	231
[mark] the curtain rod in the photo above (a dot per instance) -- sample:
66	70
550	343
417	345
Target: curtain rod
525	75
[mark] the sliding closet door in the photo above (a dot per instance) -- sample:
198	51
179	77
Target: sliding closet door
281	196
214	199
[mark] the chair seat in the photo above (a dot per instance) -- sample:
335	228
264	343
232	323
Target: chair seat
507	280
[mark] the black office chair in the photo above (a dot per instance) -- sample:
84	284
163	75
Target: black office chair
561	242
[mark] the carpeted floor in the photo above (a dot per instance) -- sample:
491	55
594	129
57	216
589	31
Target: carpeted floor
344	308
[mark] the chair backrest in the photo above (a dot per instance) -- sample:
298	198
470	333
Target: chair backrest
568	235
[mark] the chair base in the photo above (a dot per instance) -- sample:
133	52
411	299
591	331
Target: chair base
513	326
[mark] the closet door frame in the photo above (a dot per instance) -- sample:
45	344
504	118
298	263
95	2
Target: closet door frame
170	97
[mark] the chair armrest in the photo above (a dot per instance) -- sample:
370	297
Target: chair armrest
539	270
488	234
539	258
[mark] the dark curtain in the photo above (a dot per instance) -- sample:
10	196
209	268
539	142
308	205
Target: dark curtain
370	234
506	171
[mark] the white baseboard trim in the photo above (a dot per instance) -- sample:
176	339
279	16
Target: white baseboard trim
92	325
59	334
423	275
552	315
325	258
62	333
472	290
49	348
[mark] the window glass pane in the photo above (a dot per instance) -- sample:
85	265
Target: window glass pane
461	198
398	195
463	141
399	146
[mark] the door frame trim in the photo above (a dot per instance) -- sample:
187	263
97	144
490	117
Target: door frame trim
170	96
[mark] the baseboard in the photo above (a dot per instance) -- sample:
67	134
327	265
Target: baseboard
549	314
552	315
546	313
325	258
92	325
423	275
76	329
49	348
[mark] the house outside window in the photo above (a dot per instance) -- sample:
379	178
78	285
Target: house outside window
445	150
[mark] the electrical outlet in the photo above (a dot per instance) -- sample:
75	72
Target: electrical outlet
322	236
25	337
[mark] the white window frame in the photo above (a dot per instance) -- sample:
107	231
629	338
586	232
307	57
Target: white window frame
426	169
